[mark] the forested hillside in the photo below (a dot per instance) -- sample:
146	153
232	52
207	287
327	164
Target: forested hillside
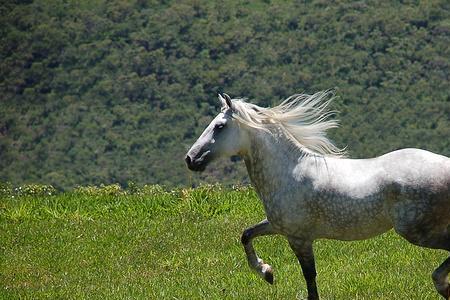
116	91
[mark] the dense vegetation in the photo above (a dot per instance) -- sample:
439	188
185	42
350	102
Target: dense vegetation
99	91
151	243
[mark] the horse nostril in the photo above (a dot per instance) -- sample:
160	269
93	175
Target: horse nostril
188	160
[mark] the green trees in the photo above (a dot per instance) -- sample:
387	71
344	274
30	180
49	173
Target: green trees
97	92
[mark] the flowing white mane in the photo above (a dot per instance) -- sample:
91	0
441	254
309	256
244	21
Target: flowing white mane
304	118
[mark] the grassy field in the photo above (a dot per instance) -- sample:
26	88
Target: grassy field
148	243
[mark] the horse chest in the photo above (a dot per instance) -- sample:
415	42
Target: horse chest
287	211
283	200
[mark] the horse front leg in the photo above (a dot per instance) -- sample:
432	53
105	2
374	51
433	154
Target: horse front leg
305	255
262	269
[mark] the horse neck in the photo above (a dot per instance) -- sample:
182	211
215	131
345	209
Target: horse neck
270	158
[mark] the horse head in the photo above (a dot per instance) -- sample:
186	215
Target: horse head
221	137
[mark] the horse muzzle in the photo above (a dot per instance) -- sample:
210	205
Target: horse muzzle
197	164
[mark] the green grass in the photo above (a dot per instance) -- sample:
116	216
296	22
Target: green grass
104	243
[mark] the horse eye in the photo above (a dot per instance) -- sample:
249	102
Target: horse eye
220	126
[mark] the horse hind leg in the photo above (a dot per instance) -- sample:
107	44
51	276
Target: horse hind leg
262	269
440	279
440	275
435	240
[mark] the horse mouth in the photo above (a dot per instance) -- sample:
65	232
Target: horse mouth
197	167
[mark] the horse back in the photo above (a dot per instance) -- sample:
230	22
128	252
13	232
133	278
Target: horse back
418	170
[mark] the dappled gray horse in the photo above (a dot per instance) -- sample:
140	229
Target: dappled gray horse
310	191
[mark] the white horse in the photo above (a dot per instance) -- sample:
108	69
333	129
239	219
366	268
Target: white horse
311	191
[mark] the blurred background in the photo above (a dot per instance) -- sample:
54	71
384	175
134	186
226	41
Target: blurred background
96	92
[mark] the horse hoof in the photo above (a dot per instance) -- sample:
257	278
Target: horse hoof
265	271
268	276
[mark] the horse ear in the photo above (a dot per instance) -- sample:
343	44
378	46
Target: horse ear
221	99
228	100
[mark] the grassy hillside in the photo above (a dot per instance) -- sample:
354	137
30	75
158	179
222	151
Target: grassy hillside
149	243
110	91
